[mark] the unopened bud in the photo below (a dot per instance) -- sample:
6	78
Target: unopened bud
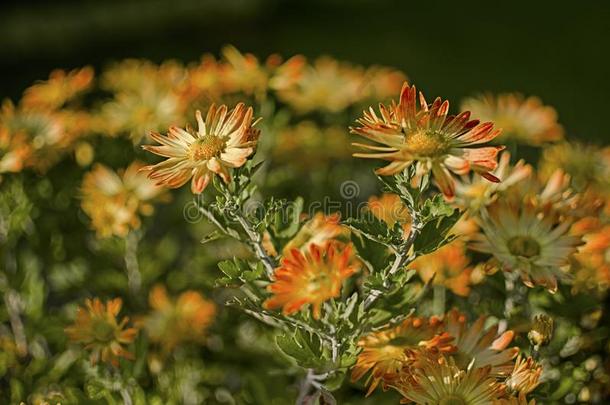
541	331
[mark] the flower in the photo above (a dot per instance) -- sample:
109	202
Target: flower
427	136
449	266
387	352
477	347
97	328
61	87
174	322
310	277
525	376
224	140
538	247
319	230
473	193
523	120
390	209
114	200
592	261
541	332
443	383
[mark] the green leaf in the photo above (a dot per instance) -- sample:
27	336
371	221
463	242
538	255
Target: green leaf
435	234
304	348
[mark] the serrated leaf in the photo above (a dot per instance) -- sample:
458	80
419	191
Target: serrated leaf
434	234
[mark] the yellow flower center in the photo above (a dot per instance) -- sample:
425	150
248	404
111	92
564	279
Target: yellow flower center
206	148
452	400
425	144
102	331
524	246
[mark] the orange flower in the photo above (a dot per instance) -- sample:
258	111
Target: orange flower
97	328
174	322
525	376
449	266
390	209
320	230
224	140
525	120
60	88
387	352
427	136
312	278
114	200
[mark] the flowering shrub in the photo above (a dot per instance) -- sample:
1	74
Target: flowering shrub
253	260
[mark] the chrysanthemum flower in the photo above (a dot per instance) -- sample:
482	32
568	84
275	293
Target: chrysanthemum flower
536	246
390	209
13	151
443	383
310	277
224	140
521	399
477	347
97	328
449	266
524	120
592	262
61	87
524	377
183	320
387	352
319	230
428	137
114	201
473	193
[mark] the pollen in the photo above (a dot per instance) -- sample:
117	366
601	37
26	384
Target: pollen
425	144
524	246
206	148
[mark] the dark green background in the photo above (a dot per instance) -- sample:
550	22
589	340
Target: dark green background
556	50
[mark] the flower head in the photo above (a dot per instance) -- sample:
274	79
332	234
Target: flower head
541	332
319	230
524	377
387	352
310	277
425	135
183	320
61	87
96	327
524	120
114	201
390	209
224	140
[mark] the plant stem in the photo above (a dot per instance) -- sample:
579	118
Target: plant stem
256	243
134	278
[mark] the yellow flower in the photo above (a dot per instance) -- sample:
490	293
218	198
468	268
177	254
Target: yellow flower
310	277
319	230
97	328
60	88
473	193
113	201
478	347
183	320
224	140
326	85
449	266
523	120
525	376
13	151
431	382
387	352
428	137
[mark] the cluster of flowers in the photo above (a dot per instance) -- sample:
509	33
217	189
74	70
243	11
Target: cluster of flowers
538	228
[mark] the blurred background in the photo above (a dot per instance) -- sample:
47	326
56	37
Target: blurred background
551	49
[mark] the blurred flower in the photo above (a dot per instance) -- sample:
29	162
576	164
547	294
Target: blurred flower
13	151
524	377
319	230
387	352
541	331
428	137
327	85
390	209
592	262
478	347
97	328
449	266
310	277
174	322
521	399
243	73
521	240
225	140
114	200
382	82
60	87
446	384
473	193
523	120
587	165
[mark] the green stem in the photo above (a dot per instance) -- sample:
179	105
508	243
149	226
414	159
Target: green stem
439	299
134	278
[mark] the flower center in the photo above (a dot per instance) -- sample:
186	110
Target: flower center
206	148
524	246
425	144
102	331
452	400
